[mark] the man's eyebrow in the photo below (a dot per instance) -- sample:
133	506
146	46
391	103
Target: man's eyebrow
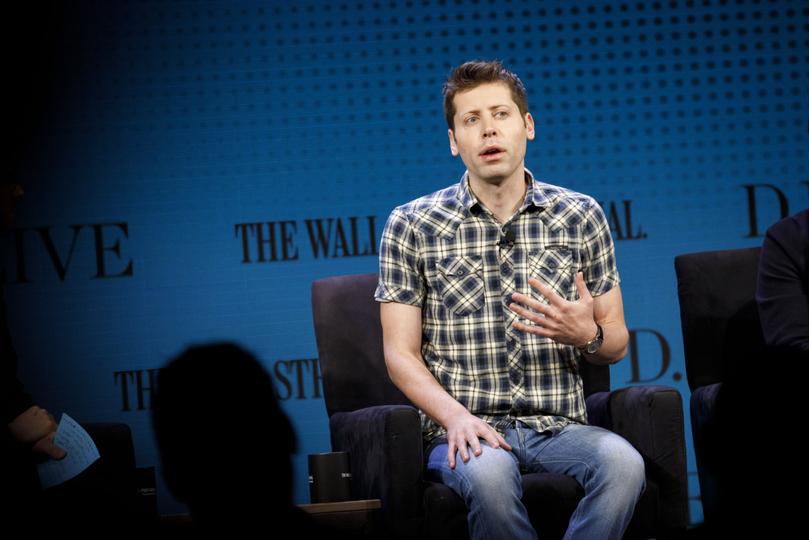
475	111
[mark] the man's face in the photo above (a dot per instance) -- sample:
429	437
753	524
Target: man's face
490	134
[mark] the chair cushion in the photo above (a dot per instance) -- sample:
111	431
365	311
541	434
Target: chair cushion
550	499
705	428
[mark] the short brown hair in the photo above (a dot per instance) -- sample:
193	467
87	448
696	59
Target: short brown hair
472	74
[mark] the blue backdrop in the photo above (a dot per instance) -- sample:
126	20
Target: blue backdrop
201	163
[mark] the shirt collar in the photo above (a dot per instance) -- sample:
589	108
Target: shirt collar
534	195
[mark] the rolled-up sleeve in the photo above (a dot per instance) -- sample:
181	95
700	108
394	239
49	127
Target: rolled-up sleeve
400	277
598	253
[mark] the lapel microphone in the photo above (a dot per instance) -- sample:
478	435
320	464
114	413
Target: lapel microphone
508	239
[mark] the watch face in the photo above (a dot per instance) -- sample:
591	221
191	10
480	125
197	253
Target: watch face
594	345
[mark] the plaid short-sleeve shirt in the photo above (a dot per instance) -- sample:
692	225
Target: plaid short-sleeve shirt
447	254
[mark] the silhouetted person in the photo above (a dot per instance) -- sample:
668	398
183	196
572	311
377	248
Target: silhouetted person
782	296
27	430
226	445
783	286
760	406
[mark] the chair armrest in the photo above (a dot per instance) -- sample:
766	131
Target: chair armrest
651	419
387	462
105	494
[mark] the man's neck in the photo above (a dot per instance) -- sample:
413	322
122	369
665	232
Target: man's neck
501	198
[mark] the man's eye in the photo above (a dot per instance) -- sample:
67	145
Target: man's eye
500	114
471	120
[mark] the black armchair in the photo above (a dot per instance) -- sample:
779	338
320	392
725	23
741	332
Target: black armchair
104	498
721	338
373	421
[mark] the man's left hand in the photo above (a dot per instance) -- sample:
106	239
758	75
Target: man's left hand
36	427
570	323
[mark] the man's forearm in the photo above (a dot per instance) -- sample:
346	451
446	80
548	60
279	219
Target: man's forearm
614	346
412	377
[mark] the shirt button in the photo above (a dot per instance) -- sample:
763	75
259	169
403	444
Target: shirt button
460	272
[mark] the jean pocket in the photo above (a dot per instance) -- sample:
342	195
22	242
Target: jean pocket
462	283
553	267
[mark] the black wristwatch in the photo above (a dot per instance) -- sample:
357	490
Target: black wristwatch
594	344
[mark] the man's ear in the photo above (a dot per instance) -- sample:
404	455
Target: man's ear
530	133
453	147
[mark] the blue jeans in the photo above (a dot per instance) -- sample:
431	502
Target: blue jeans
609	469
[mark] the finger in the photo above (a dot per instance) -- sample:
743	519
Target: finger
451	454
47	447
532	329
57	452
40	412
549	294
491	437
463	451
581	286
501	440
545	320
527	301
474	442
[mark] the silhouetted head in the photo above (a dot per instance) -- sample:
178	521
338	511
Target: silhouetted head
224	442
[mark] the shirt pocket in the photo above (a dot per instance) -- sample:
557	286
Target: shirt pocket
462	287
554	268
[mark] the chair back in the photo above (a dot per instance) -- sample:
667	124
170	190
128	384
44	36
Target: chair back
720	323
349	344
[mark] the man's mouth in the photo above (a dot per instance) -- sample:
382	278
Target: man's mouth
492	153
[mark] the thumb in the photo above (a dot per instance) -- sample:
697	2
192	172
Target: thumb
584	292
47	447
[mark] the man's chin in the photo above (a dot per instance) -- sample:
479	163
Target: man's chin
495	175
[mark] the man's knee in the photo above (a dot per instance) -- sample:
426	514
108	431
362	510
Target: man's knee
623	465
493	471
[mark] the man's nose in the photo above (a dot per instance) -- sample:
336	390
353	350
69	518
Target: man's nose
489	131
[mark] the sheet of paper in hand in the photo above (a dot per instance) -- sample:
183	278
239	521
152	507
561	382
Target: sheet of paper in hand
81	453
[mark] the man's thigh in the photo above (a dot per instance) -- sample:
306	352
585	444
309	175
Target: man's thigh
492	468
579	451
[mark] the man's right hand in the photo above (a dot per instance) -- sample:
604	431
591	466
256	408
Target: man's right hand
401	330
464	431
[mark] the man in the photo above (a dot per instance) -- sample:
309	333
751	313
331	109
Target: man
492	291
28	425
776	378
29	431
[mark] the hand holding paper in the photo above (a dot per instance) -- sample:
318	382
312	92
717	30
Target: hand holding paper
81	453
